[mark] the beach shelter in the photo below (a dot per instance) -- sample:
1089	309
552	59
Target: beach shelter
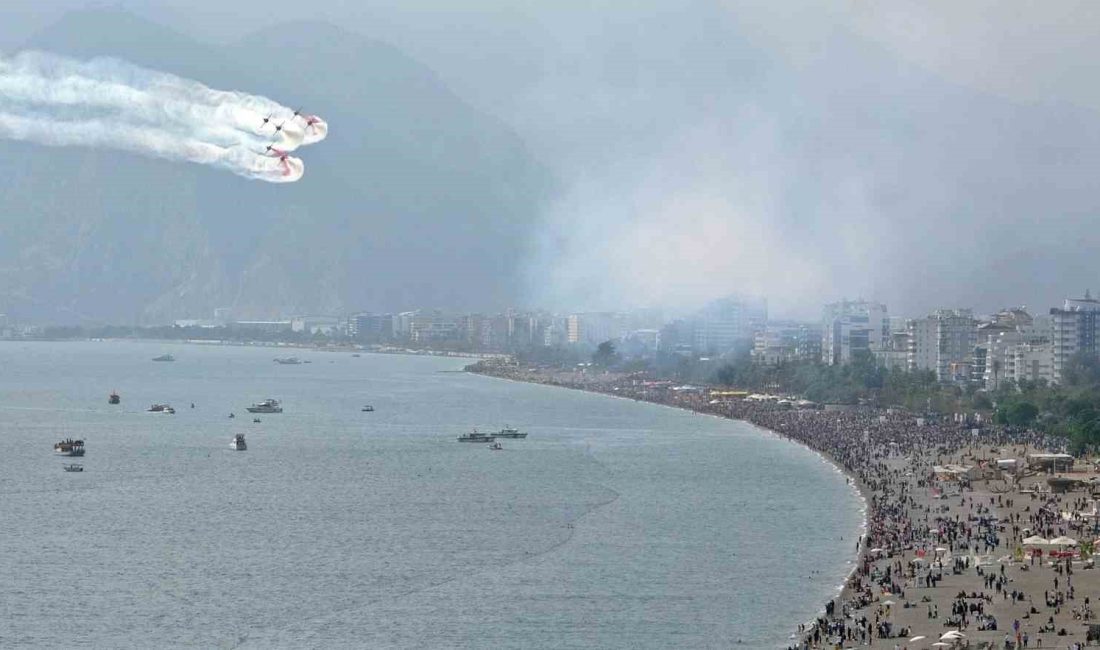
1063	541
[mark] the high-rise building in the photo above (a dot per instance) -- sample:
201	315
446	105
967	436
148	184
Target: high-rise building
1074	330
593	328
724	325
852	327
944	342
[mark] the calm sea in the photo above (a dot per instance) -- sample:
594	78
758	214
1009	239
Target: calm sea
615	524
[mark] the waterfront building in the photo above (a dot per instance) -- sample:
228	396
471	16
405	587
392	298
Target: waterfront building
593	328
785	342
1074	330
945	343
724	325
852	327
433	327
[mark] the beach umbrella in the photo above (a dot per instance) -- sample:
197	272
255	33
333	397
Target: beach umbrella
888	602
941	644
1063	541
917	638
1035	540
953	634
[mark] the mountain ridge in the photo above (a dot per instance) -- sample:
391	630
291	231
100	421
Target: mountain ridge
416	198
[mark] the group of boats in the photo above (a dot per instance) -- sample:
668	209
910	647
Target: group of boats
491	438
71	447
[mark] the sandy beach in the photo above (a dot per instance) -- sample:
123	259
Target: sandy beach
977	535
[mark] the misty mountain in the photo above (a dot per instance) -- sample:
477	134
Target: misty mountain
415	199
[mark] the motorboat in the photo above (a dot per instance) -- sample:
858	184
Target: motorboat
495	446
475	436
255	420
161	408
288	361
73	467
164	357
509	432
238	443
69	447
113	398
266	406
368	409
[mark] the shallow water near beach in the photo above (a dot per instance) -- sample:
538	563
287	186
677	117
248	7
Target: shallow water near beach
616	524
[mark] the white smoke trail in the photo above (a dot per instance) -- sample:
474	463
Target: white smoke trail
109	103
151	142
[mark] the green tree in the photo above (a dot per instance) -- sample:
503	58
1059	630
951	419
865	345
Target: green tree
605	355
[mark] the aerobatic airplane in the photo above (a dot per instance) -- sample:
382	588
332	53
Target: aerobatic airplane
272	152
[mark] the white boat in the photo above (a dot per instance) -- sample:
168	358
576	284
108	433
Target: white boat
69	447
266	406
161	408
238	443
509	432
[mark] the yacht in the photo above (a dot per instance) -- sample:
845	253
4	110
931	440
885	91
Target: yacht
113	398
164	357
475	436
238	443
266	406
69	447
73	467
509	432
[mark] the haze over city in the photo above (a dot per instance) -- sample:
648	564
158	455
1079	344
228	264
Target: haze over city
656	154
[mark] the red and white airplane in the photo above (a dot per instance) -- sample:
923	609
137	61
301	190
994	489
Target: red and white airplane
310	120
281	155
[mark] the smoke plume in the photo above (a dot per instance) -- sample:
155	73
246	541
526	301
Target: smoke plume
109	103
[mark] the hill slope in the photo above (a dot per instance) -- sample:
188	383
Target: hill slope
415	199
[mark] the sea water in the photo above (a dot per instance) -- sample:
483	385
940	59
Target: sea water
615	524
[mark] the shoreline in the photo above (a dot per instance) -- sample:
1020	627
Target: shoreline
950	508
859	488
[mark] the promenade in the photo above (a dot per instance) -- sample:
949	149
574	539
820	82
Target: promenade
976	536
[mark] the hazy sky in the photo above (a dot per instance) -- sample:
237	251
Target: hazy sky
929	154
